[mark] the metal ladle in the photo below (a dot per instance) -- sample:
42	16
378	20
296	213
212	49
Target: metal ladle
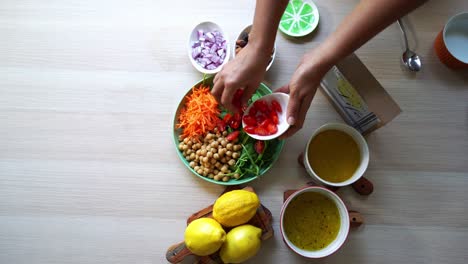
410	59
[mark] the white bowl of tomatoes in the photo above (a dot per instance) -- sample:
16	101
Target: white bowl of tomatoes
265	118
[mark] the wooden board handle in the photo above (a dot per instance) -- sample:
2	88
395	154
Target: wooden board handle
363	186
355	219
177	253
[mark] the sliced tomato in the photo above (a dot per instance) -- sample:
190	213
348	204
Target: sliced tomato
276	106
253	110
261	131
260	118
249	120
237	99
274	117
221	125
235	121
233	135
250	129
261	106
227	118
271	128
259	146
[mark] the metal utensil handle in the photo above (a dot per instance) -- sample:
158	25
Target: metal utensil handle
403	31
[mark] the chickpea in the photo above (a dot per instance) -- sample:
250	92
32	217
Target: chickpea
236	175
189	151
237	147
196	168
189	143
225	133
205	159
192	164
217	178
229	146
224	143
235	155
214	144
209	154
216	156
219	140
224	169
231	162
211	175
218	165
186	140
215	171
181	138
181	146
223	160
213	161
226	178
221	152
192	156
203	152
209	136
200	171
229	153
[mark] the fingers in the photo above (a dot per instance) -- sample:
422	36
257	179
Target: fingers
218	87
248	92
300	118
283	89
228	95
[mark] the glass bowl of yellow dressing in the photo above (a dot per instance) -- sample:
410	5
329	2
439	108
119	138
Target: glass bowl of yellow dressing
314	222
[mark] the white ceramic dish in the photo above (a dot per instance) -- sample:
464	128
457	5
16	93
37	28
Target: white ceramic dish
342	233
206	27
363	149
247	30
283	125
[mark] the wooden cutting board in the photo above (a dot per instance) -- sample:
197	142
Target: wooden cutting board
262	219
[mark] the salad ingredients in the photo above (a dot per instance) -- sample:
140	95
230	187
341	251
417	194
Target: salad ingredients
242	243
259	146
215	157
200	113
235	207
204	236
209	50
262	118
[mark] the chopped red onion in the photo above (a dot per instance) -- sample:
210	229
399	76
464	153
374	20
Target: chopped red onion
209	50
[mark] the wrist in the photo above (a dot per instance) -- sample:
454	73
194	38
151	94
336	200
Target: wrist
318	61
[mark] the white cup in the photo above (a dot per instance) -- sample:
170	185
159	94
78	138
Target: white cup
363	150
342	233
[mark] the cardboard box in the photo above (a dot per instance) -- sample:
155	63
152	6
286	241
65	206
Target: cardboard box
358	96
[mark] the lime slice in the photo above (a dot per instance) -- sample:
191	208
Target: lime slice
300	18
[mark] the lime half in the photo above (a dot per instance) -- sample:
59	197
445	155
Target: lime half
300	18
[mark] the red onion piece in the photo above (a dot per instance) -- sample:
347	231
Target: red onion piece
209	51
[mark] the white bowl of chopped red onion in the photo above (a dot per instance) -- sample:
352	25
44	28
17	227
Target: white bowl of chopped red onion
208	48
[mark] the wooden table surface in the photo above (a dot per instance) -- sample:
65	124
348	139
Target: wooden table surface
88	167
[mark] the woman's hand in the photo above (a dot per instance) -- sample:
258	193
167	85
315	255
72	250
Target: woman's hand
302	88
246	71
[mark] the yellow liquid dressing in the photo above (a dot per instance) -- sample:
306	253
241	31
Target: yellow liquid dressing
334	155
311	221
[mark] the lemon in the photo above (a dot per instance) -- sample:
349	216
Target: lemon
300	18
235	207
204	236
242	243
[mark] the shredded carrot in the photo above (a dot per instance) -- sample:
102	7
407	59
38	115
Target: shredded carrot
200	114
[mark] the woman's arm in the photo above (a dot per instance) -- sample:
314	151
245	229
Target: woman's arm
247	70
365	21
